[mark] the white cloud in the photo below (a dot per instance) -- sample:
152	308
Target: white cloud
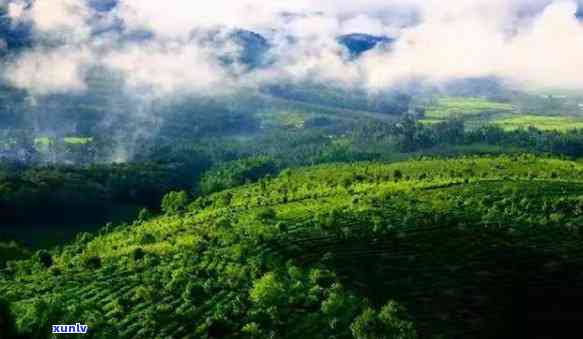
364	24
68	19
473	40
531	42
56	70
167	68
550	52
16	9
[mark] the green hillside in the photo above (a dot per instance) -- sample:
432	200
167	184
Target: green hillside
426	248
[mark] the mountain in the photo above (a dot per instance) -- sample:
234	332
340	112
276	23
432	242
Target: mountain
359	43
103	5
13	36
254	47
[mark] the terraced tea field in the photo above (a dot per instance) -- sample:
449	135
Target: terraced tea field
458	242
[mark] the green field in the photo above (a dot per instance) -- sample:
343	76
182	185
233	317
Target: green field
47	141
546	123
78	140
284	119
477	112
319	252
447	107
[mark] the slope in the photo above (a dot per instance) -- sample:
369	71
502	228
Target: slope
464	244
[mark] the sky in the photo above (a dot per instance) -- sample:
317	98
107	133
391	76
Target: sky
176	46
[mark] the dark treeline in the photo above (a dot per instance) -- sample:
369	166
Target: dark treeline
37	191
409	135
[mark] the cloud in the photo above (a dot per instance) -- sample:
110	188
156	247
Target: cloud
550	51
44	71
16	9
68	19
526	42
167	67
476	39
364	24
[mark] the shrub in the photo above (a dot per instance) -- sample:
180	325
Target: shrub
55	271
6	321
236	173
174	202
252	330
267	291
144	214
45	258
282	227
397	174
223	199
146	239
138	253
389	323
223	222
266	214
92	262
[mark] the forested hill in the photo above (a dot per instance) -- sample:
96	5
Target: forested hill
427	249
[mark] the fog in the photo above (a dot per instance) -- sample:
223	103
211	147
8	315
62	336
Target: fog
154	50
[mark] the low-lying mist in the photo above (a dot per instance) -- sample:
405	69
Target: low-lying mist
126	71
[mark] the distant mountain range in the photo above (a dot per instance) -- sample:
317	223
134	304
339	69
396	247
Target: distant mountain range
254	46
358	43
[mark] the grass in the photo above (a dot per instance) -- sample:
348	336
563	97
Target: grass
446	107
286	119
477	112
43	143
546	123
77	140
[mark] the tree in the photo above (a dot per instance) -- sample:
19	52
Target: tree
144	214
252	330
266	214
450	131
389	323
40	314
174	202
92	262
7	329
413	135
236	173
267	291
138	253
397	174
146	239
45	258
